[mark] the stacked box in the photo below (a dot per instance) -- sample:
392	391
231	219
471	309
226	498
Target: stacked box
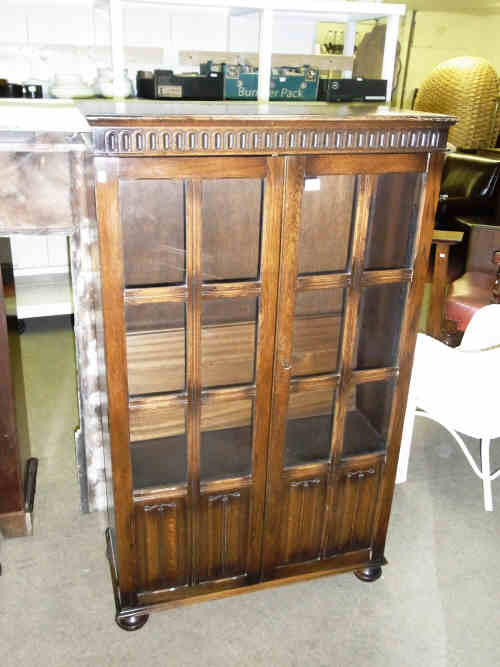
165	85
287	83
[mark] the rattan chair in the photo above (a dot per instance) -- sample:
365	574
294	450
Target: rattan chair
467	88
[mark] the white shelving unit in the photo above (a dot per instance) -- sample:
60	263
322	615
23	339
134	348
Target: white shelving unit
42	276
41	296
271	11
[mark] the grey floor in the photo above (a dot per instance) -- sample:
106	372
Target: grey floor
437	602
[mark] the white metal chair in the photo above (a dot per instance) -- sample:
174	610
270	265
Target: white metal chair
458	387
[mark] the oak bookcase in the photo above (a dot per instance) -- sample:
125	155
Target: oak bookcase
261	279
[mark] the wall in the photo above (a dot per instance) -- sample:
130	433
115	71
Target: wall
443	35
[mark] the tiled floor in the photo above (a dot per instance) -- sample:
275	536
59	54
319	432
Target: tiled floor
436	604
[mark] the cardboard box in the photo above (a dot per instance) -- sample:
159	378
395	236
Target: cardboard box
287	84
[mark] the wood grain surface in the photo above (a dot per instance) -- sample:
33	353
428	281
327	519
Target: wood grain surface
156	359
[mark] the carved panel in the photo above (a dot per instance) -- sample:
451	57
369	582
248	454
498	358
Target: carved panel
224	534
302	520
161	540
351	520
222	140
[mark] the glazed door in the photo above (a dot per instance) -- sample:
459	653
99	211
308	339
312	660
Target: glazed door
349	231
189	253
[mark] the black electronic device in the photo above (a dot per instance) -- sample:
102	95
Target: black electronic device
165	85
352	90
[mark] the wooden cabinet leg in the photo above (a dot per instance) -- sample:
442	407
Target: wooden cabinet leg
369	573
131	623
438	289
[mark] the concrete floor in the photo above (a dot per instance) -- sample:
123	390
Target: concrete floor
436	603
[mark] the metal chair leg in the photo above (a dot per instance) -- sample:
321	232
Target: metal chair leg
486	474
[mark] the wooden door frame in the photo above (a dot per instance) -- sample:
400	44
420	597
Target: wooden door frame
109	171
113	302
366	167
409	328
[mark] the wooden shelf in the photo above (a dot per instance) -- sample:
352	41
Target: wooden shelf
162	462
227	452
156	359
308	440
360	437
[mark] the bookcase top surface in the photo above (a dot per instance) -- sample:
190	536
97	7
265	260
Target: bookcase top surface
100	112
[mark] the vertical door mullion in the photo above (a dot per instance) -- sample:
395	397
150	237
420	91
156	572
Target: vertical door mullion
193	352
288	267
271	230
364	195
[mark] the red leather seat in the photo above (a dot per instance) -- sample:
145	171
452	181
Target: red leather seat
467	295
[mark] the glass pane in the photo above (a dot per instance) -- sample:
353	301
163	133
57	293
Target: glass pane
326	223
228	339
367	419
317	331
158	447
153	230
156	347
309	426
381	312
232	211
226	439
393	221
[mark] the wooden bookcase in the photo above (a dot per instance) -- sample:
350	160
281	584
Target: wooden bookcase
261	279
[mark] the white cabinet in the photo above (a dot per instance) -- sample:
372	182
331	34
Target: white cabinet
28	253
33	255
42	275
57	253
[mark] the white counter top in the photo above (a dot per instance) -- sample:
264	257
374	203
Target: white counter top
20	115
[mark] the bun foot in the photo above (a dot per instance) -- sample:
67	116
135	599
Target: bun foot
369	573
131	623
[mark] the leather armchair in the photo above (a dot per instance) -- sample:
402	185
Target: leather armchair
469	203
